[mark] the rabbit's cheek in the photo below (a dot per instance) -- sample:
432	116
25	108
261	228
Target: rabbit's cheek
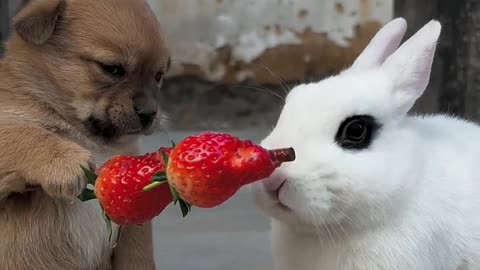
307	196
292	195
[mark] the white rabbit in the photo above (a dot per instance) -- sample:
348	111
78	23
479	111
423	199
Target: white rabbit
373	188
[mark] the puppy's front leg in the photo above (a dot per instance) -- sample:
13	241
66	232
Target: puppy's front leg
35	156
134	249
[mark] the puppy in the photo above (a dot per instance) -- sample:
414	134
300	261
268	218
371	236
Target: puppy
79	84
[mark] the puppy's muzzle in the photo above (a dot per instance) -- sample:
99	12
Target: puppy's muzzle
146	107
146	117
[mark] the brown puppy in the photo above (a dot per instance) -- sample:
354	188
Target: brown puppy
79	83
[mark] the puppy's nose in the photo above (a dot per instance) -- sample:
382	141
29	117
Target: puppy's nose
146	117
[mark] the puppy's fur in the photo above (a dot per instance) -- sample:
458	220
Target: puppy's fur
78	85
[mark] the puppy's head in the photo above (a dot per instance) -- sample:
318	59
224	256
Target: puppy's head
101	62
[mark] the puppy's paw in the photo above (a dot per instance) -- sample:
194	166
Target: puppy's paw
63	177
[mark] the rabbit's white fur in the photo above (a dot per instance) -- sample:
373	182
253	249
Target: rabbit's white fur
409	201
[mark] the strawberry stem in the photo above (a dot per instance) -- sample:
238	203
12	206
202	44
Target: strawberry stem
153	186
283	154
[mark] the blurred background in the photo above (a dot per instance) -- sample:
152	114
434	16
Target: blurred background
234	62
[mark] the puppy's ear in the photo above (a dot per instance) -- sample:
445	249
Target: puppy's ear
36	22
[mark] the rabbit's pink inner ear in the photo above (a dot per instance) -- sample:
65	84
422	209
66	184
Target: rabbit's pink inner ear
410	66
383	44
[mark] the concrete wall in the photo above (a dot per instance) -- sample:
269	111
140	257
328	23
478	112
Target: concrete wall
231	56
231	41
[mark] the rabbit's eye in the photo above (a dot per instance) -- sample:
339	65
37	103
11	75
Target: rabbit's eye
356	132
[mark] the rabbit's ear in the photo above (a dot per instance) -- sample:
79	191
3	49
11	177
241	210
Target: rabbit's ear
410	66
383	44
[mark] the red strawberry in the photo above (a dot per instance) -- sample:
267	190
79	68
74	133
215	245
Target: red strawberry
120	184
207	169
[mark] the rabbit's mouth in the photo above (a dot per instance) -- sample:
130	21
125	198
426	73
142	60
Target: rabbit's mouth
277	193
268	193
275	196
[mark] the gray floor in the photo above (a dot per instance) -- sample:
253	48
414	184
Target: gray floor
231	237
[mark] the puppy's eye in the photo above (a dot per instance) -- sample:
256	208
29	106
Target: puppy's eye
116	71
356	132
159	77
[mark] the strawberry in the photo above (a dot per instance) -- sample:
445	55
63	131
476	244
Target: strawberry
207	169
120	184
204	171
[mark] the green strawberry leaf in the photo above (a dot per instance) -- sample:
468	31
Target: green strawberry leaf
91	176
108	222
153	186
87	195
175	195
119	234
185	207
165	158
161	177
